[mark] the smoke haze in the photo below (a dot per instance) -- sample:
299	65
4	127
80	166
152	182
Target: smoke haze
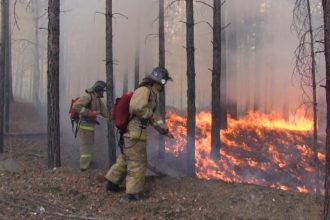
259	50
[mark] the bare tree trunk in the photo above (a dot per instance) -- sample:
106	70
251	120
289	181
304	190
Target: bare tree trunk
224	72
36	73
191	120
2	76
162	109
110	86
315	120
7	64
216	81
54	153
326	14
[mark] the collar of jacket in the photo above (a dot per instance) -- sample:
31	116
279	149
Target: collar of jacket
153	90
92	93
89	90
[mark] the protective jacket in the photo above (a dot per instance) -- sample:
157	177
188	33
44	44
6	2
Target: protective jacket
88	102
142	106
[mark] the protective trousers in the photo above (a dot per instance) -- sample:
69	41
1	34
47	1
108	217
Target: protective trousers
132	165
86	139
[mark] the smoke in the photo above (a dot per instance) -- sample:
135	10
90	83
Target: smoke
259	50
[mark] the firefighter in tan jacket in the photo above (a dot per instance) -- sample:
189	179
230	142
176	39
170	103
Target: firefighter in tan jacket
89	106
132	164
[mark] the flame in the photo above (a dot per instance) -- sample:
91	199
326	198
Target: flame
257	148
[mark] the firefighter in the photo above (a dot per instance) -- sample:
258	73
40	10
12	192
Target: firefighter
89	107
132	163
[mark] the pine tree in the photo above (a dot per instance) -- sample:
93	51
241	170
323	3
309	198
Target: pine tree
54	153
109	81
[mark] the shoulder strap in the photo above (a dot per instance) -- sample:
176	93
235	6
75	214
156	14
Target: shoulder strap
149	91
90	102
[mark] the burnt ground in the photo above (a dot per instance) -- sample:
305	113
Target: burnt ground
28	190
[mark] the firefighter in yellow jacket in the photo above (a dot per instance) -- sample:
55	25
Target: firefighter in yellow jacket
132	164
89	107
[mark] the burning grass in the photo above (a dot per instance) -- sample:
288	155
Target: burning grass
258	149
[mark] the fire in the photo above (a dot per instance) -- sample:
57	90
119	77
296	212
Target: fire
258	149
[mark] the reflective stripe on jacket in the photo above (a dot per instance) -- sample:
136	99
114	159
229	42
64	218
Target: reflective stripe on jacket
87	127
85	156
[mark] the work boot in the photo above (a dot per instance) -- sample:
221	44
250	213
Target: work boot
137	196
112	187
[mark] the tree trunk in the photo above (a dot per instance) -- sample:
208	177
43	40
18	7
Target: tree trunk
110	86
7	65
191	120
36	73
2	76
326	13
54	154
216	81
161	139
311	32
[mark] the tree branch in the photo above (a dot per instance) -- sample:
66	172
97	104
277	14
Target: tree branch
204	3
65	11
15	16
45	13
149	35
227	25
28	5
208	23
120	15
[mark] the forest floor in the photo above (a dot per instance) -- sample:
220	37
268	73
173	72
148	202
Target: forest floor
28	190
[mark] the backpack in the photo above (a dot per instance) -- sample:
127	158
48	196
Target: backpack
74	116
120	111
